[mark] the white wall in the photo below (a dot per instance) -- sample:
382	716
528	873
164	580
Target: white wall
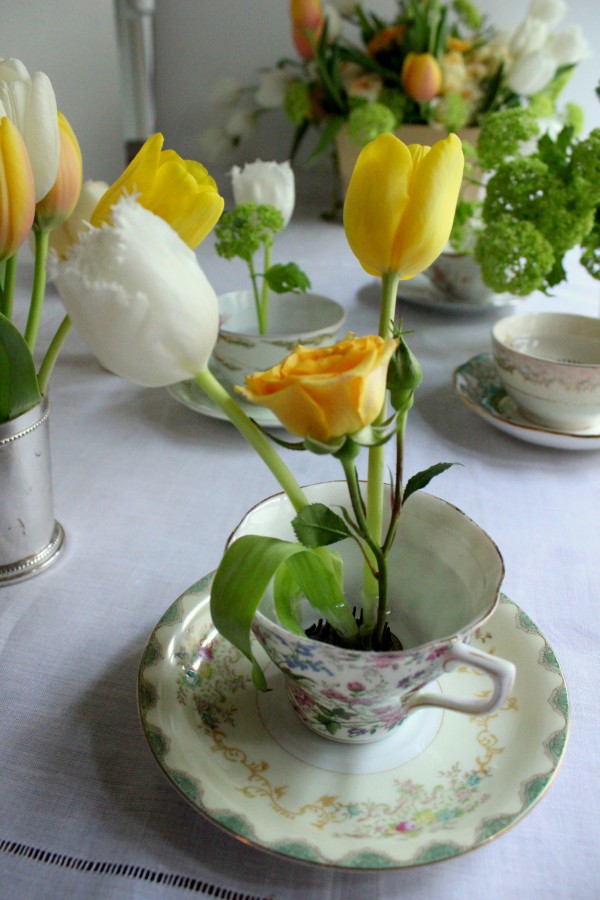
73	42
198	41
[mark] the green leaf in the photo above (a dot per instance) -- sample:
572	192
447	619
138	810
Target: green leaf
422	479
239	584
317	526
285	277
286	597
318	574
19	389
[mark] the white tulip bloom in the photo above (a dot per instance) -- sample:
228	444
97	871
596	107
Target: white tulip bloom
344	7
531	72
531	35
569	46
240	124
265	182
30	104
549	11
138	297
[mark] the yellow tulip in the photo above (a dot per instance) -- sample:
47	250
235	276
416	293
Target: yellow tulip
179	191
17	191
400	204
421	76
60	201
324	393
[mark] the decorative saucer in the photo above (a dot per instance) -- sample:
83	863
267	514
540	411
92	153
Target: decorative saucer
420	291
477	384
445	786
190	394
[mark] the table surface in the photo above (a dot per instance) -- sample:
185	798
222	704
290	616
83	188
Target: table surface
148	491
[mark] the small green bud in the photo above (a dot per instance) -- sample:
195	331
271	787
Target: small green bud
404	376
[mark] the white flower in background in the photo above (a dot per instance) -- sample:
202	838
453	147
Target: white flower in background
240	124
569	46
333	20
138	297
30	104
529	37
530	73
265	182
225	92
548	11
272	88
368	86
215	143
78	222
344	7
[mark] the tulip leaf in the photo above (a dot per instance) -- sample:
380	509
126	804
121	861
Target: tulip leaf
239	584
422	479
319	579
19	389
286	597
283	278
317	525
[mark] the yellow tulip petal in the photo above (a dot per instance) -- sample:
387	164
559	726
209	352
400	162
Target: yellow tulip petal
17	190
136	179
377	195
60	201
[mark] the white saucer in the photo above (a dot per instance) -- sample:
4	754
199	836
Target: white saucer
444	786
421	292
191	395
477	384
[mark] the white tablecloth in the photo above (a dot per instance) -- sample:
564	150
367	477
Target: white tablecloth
148	491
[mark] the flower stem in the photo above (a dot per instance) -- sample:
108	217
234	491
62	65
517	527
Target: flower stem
8	287
216	392
39	287
257	299
264	297
377	454
51	356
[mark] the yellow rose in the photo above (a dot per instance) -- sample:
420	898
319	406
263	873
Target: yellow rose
326	392
178	190
401	202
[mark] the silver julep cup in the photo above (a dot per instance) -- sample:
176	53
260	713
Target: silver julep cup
30	538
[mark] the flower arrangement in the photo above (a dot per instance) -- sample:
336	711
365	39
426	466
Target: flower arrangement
432	63
156	323
540	198
264	198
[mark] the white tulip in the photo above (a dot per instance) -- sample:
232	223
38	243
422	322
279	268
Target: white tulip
240	124
265	182
272	88
344	7
30	104
215	143
531	72
333	20
138	297
549	11
531	35
569	46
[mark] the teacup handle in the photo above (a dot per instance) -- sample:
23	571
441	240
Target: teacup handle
501	671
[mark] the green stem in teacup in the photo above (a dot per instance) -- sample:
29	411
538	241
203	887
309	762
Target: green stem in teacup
217	393
51	355
8	286
38	290
389	285
264	295
257	297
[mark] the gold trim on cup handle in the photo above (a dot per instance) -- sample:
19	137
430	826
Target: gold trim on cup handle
502	672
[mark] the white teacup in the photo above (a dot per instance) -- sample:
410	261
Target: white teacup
549	363
307	319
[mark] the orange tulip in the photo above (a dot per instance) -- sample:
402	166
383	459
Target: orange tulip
17	191
60	201
307	25
421	76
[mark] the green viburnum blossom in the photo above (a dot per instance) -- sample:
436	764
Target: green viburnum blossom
452	111
514	256
501	134
574	117
368	121
247	228
297	102
590	258
586	163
